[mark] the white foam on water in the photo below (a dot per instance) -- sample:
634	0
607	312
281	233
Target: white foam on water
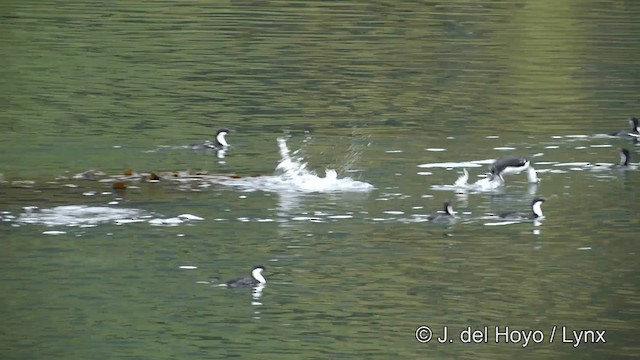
174	221
572	164
304	218
462	164
292	175
340	216
576	136
189	217
76	215
128	221
501	223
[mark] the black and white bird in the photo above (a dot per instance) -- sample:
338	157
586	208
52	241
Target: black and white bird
535	213
219	143
624	164
446	216
495	179
634	133
509	165
256	279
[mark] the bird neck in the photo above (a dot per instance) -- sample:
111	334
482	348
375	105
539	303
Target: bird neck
220	139
257	274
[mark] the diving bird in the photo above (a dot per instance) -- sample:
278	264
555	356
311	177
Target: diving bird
509	165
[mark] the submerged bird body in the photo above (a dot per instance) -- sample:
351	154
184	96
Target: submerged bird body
256	279
219	143
633	133
625	156
447	215
536	212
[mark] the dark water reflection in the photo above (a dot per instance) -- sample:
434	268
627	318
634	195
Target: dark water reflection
377	87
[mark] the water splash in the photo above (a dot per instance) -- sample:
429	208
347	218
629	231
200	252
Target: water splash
292	174
488	183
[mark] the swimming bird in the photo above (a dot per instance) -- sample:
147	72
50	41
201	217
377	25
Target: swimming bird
624	164
447	215
256	279
536	212
509	165
219	143
633	133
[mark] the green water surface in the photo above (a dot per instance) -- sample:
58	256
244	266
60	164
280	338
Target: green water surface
378	87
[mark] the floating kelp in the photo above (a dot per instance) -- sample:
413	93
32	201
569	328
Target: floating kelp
119	185
291	174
